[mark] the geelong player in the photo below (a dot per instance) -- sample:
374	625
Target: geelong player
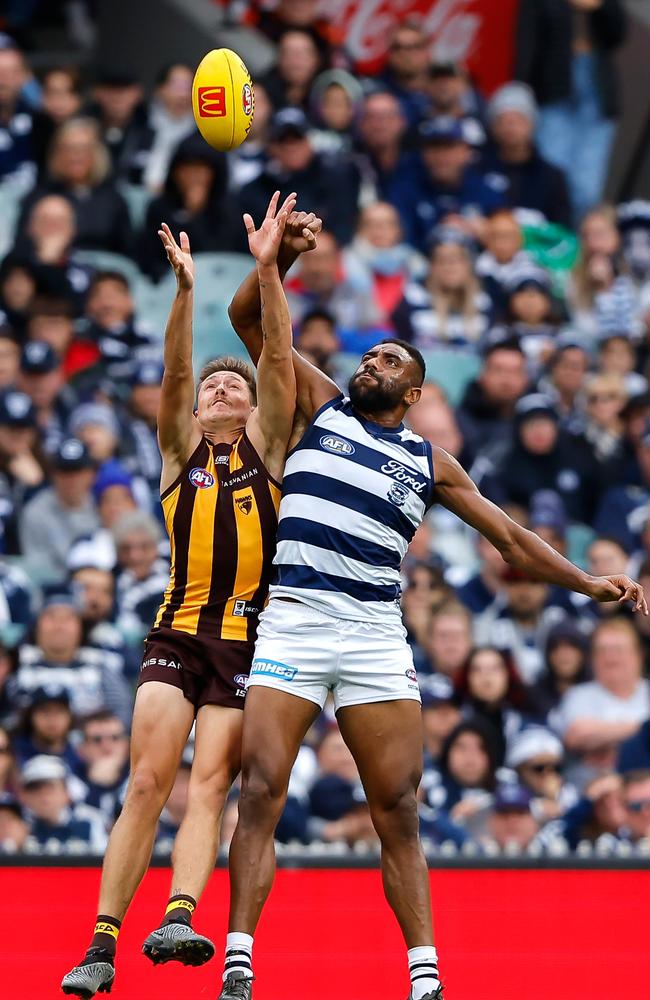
223	458
355	489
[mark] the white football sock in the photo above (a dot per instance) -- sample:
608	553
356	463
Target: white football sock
423	970
239	954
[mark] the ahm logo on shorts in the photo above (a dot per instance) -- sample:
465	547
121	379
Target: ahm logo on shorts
274	669
330	442
202	479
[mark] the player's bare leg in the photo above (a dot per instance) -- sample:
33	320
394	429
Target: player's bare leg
385	740
275	724
217	754
155	755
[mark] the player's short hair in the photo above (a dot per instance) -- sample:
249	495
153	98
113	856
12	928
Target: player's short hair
231	364
411	351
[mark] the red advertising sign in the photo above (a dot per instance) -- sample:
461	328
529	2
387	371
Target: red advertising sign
477	33
501	935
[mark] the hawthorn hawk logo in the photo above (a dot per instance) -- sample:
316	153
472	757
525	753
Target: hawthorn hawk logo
245	503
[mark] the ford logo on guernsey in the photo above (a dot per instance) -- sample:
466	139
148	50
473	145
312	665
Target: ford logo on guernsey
202	479
336	445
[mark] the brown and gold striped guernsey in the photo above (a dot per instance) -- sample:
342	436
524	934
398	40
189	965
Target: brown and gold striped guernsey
222	517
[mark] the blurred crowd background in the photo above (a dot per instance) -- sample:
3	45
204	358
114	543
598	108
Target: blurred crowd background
470	223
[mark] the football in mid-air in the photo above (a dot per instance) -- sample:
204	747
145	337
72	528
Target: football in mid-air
222	99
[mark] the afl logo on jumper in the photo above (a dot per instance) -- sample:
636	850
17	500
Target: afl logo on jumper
212	102
336	445
201	478
247	98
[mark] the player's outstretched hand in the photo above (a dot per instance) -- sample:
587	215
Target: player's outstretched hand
301	231
179	257
265	242
619	588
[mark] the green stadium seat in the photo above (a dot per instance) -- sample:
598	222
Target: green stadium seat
137	199
104	260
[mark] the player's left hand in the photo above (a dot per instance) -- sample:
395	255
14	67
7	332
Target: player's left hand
619	588
265	242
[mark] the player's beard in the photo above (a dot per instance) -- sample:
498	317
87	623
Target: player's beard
374	397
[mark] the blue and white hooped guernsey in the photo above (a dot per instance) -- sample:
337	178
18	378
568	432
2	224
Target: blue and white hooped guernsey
353	495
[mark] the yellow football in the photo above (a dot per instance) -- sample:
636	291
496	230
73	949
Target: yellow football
223	99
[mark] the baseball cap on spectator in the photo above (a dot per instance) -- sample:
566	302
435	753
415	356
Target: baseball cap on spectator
9	801
444	235
512	797
109	76
111	473
547	511
289	122
513	97
94	413
436	689
72	456
444	129
39	358
16	409
147	373
535	404
48	693
533	742
43	767
58	596
529	278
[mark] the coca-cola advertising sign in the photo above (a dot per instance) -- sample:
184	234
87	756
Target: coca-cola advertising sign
477	33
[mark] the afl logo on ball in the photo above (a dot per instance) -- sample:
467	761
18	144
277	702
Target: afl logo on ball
212	102
247	99
201	478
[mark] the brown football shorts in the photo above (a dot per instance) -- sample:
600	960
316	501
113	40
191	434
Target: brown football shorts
209	671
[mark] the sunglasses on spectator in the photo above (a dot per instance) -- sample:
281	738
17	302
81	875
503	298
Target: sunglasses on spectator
603	397
544	768
105	737
638	805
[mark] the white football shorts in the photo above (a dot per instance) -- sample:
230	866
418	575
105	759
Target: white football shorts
307	653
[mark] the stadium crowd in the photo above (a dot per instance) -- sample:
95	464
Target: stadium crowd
459	222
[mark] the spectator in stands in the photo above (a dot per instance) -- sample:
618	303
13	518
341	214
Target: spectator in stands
598	816
406	73
547	518
329	186
14	829
440	715
532	315
489	688
424	592
451	93
449	309
8	768
320	283
61	99
617	355
596	717
634	752
17	291
195	198
22	463
170	120
565	665
335	100
389	170
118	106
601	298
511	824
50	319
78	168
93	678
317	340
451	188
536	755
61	513
140	419
114	495
449	639
94	591
564	378
46	726
603	437
289	83
378	261
337	804
53	818
17	600
479	591
636	798
486	412
17	157
623	510
530	181
503	257
103	761
142	574
47	246
291	15
41	378
463	784
9	358
564	52
98	427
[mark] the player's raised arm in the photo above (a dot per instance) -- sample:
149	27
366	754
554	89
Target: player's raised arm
178	431
520	547
314	388
269	426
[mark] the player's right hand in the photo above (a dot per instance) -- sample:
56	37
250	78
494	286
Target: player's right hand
179	257
301	231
